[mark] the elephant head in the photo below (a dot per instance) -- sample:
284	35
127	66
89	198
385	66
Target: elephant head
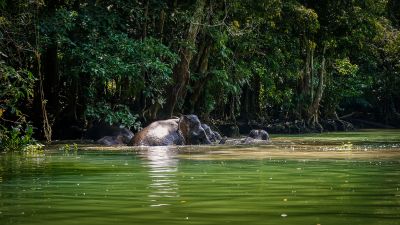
212	135
259	134
190	129
109	134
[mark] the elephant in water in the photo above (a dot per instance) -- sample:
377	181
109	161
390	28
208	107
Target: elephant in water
113	140
257	137
105	134
212	135
259	134
254	137
185	130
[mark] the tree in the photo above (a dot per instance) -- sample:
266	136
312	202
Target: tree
181	71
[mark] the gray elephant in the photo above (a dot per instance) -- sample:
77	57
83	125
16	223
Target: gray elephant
185	130
259	134
112	140
105	134
212	135
254	137
257	137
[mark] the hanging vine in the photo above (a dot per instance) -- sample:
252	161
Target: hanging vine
46	124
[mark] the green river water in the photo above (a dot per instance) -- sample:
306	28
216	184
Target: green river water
327	179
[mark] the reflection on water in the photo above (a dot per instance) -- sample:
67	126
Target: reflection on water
162	163
156	186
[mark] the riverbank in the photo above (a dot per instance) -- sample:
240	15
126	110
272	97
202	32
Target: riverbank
298	126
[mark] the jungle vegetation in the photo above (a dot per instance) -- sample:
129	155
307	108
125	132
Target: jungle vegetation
67	63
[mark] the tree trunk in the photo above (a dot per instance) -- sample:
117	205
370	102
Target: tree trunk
245	101
202	67
161	24
146	15
312	73
181	74
250	103
51	76
307	69
313	109
304	87
393	10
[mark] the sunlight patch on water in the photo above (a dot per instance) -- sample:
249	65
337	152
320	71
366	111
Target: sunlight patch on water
340	145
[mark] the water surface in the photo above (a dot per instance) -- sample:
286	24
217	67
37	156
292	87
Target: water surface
337	178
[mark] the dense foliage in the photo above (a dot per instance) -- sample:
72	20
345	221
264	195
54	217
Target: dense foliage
67	63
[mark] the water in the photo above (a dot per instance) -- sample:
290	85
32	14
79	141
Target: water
326	179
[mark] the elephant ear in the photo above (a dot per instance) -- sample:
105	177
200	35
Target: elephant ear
183	127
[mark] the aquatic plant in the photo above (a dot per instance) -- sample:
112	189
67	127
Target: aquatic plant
17	138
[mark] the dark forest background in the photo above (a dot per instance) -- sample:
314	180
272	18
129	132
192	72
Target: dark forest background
65	64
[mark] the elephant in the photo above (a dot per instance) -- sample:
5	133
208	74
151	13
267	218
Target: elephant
259	134
186	130
257	137
212	135
254	137
112	140
109	134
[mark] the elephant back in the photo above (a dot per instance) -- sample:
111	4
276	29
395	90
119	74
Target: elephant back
158	133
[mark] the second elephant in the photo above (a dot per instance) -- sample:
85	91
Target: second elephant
212	135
